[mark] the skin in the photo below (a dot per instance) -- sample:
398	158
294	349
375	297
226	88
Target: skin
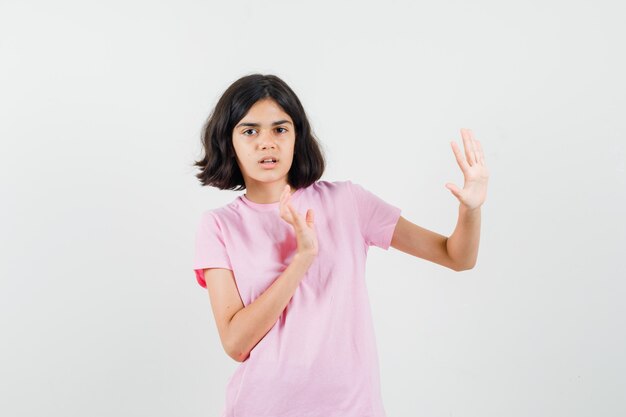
241	328
265	186
253	142
459	251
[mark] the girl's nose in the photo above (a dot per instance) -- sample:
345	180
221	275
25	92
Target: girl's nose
267	140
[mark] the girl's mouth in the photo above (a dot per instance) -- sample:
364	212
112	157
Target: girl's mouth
269	163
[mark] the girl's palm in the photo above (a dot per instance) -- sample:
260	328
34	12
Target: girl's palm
475	172
305	229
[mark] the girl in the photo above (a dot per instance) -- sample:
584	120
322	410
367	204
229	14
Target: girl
284	263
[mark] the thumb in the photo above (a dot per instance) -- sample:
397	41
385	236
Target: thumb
309	217
454	189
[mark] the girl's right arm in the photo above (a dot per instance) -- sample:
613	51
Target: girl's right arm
250	324
241	330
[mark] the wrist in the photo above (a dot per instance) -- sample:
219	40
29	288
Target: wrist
466	209
304	257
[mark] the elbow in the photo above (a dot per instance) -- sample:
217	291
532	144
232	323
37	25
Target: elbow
233	355
461	269
241	357
234	346
237	358
461	265
236	354
466	267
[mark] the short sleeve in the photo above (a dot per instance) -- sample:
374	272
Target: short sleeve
210	251
377	218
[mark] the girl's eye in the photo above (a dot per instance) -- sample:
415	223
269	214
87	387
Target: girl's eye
248	130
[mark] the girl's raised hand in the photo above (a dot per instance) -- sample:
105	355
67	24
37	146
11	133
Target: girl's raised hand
305	229
474	170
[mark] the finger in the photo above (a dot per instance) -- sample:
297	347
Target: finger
467	145
297	220
481	155
300	221
284	196
476	150
284	207
309	217
459	156
454	190
288	194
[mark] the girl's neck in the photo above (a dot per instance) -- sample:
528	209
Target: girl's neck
268	194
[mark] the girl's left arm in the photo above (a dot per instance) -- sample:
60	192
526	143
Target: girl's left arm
460	250
462	245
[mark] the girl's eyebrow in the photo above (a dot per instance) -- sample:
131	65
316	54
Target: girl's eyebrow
279	122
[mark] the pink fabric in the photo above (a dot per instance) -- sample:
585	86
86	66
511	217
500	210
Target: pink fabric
320	357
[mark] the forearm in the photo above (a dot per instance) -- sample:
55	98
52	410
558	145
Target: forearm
250	324
462	245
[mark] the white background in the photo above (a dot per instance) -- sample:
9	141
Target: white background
101	109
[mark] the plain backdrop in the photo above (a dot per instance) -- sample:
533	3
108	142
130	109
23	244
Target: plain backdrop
102	105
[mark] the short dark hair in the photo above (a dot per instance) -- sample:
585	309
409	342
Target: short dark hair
219	166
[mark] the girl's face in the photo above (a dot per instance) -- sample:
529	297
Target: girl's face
265	131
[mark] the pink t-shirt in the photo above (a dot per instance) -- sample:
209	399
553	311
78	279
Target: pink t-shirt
320	358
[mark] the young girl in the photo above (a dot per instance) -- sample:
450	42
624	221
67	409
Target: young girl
284	263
